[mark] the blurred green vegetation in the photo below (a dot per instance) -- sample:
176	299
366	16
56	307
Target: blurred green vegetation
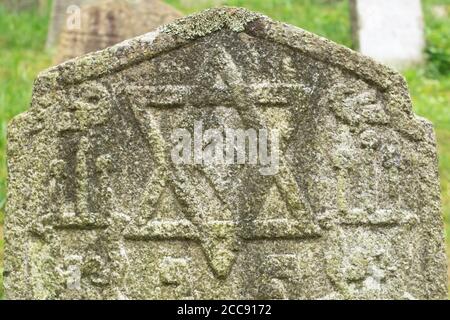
22	56
438	37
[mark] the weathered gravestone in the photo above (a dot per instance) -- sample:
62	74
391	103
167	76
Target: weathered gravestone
390	31
105	23
64	12
98	208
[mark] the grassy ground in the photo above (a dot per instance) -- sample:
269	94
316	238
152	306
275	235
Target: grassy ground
22	56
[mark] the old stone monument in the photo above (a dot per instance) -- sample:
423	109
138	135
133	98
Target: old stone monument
105	23
390	31
99	209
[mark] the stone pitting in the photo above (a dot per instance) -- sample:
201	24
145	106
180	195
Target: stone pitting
96	209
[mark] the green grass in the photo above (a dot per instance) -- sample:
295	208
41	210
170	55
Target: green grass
1	264
22	56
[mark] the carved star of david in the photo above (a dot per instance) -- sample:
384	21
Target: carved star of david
219	240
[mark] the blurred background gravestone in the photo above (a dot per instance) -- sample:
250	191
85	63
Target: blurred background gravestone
21	5
105	23
61	11
390	31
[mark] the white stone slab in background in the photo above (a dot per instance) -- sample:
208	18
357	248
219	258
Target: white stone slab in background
390	31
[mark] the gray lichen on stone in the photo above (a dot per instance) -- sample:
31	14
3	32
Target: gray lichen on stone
211	20
96	208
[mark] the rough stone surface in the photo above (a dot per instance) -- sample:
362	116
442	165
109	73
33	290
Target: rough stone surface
105	23
98	210
389	31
